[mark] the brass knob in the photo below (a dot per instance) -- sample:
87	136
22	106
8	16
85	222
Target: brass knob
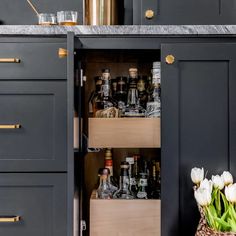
149	14
170	59
62	52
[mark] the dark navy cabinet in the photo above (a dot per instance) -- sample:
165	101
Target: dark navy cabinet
198	125
184	12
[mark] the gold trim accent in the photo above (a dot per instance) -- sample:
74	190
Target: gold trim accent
62	52
9	219
16	126
9	60
170	59
149	14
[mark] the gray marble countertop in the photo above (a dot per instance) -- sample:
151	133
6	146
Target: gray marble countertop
120	30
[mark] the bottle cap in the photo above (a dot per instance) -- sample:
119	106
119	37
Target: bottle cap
124	165
156	65
108	163
136	157
106	70
130	160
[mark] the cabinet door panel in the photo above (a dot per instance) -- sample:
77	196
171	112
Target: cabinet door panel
38	199
39	144
196	120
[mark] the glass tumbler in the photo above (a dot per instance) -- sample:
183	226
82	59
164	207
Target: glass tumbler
67	18
47	19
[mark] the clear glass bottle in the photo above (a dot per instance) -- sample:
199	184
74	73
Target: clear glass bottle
154	103
104	191
105	99
121	93
124	192
142	186
109	165
132	181
133	108
136	168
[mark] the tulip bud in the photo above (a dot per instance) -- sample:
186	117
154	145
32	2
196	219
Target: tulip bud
207	184
218	182
197	175
227	177
230	193
202	196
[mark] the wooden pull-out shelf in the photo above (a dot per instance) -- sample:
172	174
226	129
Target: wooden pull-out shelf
124	132
125	217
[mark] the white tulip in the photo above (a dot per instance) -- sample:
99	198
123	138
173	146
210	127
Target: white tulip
197	175
207	184
230	192
227	177
202	196
218	182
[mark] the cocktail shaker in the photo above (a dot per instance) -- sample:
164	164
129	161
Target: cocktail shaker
101	12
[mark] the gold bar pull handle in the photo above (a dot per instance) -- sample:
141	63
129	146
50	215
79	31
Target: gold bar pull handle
9	60
62	52
9	219
15	126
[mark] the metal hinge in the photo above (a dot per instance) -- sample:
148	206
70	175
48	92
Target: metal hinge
83	225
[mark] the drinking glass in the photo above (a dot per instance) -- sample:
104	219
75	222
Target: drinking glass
47	19
67	18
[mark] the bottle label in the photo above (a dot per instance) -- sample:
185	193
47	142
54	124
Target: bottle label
105	90
141	86
132	181
142	195
153	109
143	182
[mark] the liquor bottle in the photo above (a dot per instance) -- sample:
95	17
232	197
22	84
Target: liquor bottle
121	93
113	87
154	182
142	92
142	186
136	168
104	191
95	94
154	103
123	192
109	165
133	108
132	181
105	100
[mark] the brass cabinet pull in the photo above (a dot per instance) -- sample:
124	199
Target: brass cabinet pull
16	126
170	59
149	14
62	52
9	60
9	219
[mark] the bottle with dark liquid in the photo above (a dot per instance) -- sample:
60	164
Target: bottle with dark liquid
154	182
142	92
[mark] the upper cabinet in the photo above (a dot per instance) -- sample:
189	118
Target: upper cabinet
152	12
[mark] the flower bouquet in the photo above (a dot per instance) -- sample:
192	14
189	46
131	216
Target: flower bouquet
216	199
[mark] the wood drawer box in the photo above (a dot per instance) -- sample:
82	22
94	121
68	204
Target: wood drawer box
36	60
38	199
124	217
40	143
124	132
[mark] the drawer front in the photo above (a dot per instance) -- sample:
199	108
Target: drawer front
33	125
38	199
32	60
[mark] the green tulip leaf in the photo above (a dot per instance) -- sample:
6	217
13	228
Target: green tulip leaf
223	225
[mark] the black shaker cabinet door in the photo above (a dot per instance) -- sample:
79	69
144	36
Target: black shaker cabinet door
33	204
33	131
198	125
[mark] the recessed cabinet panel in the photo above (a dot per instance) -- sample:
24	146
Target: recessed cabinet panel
184	12
33	126
37	203
32	61
197	125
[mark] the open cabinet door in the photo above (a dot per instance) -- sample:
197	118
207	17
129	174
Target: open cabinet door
70	131
198	125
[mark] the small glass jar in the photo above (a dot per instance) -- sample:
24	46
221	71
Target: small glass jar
47	19
67	18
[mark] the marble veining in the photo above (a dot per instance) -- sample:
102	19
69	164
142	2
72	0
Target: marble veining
119	30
